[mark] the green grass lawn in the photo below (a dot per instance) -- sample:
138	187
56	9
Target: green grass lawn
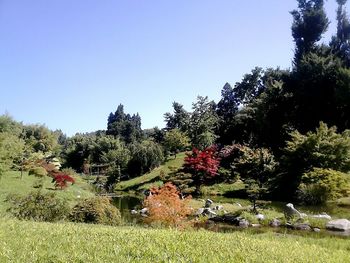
22	241
12	183
146	179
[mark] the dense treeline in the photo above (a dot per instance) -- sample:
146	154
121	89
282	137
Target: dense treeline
282	131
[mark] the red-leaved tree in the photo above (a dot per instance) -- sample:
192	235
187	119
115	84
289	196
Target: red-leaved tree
203	165
61	180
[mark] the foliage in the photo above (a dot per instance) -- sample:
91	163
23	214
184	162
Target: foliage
324	148
146	156
180	119
255	167
10	151
321	185
203	165
176	141
61	180
96	210
38	171
125	126
182	180
203	123
38	206
310	22
165	206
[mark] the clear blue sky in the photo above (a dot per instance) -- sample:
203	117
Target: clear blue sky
68	64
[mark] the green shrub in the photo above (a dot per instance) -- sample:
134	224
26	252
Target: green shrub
96	210
38	206
70	171
38	183
38	171
321	185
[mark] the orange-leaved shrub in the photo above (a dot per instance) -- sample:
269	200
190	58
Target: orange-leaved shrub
166	207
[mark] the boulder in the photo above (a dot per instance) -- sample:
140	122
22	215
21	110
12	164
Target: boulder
290	212
133	212
260	217
244	223
316	229
339	225
302	226
208	203
256	225
209	212
226	218
275	223
218	208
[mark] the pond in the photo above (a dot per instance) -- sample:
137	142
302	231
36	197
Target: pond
126	203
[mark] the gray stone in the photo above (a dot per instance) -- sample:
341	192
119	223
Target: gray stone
208	203
275	223
218	208
200	211
260	216
133	212
244	223
209	212
256	225
339	225
290	212
323	216
316	229
144	212
302	226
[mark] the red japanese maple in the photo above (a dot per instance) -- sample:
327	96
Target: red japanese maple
61	180
203	163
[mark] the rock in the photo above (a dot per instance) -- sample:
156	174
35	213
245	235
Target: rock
256	225
338	225
244	223
290	212
199	211
275	223
260	217
208	203
323	216
316	229
144	212
239	204
133	212
302	226
218	208
209	212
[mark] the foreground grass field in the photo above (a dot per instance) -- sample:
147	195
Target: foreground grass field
67	242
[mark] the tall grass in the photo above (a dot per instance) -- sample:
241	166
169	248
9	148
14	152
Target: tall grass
68	242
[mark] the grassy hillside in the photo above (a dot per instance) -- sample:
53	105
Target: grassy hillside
67	242
11	183
149	179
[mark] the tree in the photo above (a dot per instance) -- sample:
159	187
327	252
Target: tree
175	141
179	119
340	43
203	123
145	156
203	165
324	148
309	23
125	126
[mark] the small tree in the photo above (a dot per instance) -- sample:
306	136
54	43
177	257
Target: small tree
166	207
203	165
255	167
61	180
175	141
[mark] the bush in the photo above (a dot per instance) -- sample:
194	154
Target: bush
96	210
38	171
61	180
165	207
321	185
70	171
38	206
